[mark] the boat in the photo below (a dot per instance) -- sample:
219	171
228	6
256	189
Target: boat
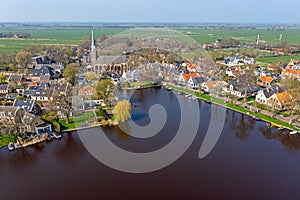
256	118
169	89
277	125
280	129
10	146
293	132
188	95
194	98
180	93
56	135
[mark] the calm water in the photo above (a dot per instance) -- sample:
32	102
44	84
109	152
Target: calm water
250	161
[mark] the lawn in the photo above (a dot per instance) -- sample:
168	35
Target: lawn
235	107
77	121
51	36
6	139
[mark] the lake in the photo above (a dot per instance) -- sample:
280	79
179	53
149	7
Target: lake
249	161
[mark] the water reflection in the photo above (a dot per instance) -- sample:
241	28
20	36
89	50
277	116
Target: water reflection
240	125
291	143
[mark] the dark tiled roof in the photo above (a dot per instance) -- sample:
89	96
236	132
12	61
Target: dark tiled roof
43	71
268	92
27	105
4	87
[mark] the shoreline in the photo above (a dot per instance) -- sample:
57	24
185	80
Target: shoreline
183	90
247	111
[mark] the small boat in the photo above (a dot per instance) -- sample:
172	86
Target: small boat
256	118
276	125
194	98
10	146
293	132
56	135
188	95
280	129
180	93
169	89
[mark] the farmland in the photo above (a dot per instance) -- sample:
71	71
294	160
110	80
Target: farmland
52	35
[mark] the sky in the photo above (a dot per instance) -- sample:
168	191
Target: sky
210	11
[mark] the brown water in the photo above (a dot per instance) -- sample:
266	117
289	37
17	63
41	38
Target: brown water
250	161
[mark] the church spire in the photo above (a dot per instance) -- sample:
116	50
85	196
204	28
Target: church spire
93	47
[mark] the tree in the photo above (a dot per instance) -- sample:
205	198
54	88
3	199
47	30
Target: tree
62	103
122	111
71	71
105	90
91	76
3	78
23	58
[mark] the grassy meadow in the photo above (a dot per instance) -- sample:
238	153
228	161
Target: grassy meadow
73	35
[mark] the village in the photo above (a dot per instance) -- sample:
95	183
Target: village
47	97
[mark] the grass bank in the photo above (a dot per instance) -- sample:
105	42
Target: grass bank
236	108
6	139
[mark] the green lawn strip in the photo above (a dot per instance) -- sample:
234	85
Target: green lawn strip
262	116
235	107
6	139
77	121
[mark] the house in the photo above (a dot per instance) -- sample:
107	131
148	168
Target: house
33	124
280	101
44	74
11	97
195	82
290	73
232	61
86	92
29	106
46	91
242	87
4	89
184	78
248	61
263	95
233	72
15	79
265	81
39	61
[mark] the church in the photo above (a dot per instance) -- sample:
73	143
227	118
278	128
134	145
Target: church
100	64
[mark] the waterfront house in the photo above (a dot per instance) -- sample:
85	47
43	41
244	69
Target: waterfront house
211	86
263	95
242	87
195	82
265	81
33	124
185	77
280	101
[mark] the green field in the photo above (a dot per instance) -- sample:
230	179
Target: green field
283	59
51	36
73	36
271	37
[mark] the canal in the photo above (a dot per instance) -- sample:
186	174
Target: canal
249	161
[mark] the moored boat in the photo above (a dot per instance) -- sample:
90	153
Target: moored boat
256	118
293	132
10	146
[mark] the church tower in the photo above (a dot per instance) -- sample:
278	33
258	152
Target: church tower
93	50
